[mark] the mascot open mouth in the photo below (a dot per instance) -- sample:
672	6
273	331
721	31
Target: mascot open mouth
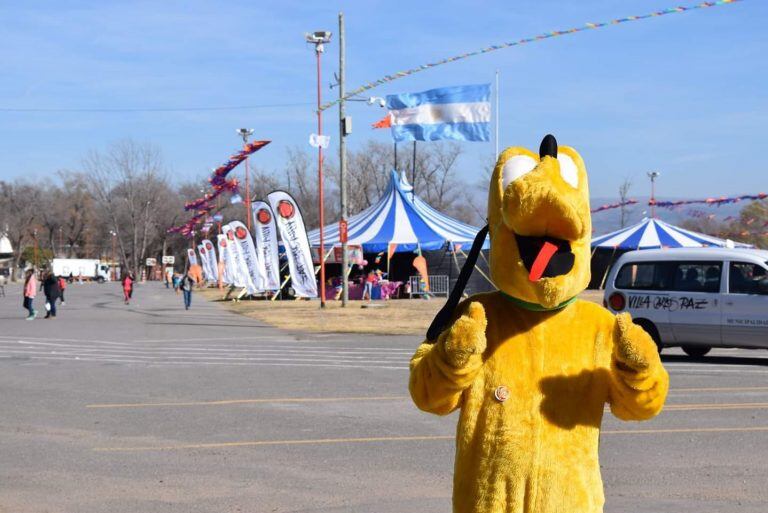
545	257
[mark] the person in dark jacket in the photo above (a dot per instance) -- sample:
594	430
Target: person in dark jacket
52	292
186	286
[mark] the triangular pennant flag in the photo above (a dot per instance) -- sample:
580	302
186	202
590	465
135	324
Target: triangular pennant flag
385	122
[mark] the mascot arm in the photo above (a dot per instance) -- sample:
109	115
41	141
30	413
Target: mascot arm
440	372
639	382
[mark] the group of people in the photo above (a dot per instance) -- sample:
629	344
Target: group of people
367	280
53	288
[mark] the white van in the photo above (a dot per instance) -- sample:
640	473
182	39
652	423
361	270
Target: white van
696	298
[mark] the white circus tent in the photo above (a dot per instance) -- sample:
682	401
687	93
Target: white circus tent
400	217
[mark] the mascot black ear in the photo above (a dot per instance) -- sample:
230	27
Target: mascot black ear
548	147
446	312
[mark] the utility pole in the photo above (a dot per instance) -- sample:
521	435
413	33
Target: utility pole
343	167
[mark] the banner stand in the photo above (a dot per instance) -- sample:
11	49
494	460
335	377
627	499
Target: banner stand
285	281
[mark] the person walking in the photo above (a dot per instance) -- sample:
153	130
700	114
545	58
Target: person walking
51	291
62	287
30	290
186	285
370	281
128	287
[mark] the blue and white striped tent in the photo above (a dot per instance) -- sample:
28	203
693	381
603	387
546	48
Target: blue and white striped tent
399	217
654	234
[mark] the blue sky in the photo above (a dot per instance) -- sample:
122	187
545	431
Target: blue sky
683	94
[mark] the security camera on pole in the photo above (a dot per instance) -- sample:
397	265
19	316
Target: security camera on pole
319	39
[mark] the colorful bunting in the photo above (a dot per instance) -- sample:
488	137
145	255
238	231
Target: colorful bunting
218	180
547	35
679	203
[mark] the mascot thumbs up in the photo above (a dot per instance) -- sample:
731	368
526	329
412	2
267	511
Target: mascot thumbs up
530	366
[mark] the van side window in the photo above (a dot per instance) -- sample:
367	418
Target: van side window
696	276
743	278
643	276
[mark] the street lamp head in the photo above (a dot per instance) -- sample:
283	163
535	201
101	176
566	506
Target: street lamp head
653	174
245	133
318	37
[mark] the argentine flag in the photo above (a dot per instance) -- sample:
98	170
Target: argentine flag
461	113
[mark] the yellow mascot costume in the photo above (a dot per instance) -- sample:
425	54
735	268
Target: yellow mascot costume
530	366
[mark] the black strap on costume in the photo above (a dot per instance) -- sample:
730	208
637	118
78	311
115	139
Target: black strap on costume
445	313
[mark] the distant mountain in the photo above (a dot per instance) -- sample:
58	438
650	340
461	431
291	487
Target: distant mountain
610	220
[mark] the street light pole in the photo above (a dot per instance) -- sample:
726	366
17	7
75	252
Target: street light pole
319	39
653	175
34	235
245	133
114	256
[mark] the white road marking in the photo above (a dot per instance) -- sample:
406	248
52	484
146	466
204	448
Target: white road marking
167	363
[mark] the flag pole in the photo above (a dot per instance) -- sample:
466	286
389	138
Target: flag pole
496	137
413	169
395	145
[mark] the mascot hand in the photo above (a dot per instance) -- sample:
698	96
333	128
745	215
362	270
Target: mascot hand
634	348
466	337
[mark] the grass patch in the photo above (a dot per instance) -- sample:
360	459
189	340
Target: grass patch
396	317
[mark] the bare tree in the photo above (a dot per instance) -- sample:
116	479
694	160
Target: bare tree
624	188
300	179
367	175
20	207
75	206
128	181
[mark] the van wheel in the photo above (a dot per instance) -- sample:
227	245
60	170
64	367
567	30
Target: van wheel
650	328
696	351
100	279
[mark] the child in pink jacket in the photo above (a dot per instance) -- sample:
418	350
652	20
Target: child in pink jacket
30	289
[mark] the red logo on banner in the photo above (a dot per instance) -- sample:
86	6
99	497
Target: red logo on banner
285	209
223	243
208	246
202	251
263	216
240	232
343	235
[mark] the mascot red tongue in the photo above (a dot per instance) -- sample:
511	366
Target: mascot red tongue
546	253
530	366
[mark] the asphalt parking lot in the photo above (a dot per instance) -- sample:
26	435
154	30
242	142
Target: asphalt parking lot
151	408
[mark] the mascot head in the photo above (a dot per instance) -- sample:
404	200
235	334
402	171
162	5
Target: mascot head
539	223
540	227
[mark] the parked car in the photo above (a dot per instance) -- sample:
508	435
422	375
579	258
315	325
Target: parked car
696	298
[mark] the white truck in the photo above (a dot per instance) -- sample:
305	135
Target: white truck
86	268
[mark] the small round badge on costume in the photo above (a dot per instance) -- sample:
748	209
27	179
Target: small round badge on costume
501	393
